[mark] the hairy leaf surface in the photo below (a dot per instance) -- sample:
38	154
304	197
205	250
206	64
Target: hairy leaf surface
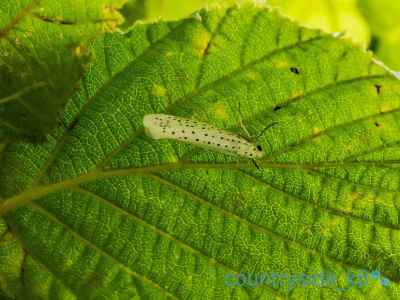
102	211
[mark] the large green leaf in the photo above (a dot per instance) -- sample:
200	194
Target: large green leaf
43	50
383	17
101	211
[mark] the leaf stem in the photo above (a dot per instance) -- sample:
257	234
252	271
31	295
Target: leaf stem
41	191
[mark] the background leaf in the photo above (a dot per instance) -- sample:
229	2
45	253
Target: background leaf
169	10
102	211
132	11
43	46
383	18
327	15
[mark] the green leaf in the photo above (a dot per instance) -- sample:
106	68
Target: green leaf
383	17
330	16
43	46
104	212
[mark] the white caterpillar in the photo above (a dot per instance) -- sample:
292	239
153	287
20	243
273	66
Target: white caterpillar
161	126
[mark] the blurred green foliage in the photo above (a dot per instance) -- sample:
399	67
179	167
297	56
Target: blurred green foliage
133	11
383	17
372	24
330	16
152	10
177	9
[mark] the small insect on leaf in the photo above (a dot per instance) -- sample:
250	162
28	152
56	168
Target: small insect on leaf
161	126
295	70
378	88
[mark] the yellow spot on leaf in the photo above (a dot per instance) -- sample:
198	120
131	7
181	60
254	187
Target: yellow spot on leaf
281	64
349	147
201	42
219	111
354	196
296	94
385	108
316	130
79	51
159	90
251	75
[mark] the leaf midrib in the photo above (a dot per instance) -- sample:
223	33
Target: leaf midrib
43	190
